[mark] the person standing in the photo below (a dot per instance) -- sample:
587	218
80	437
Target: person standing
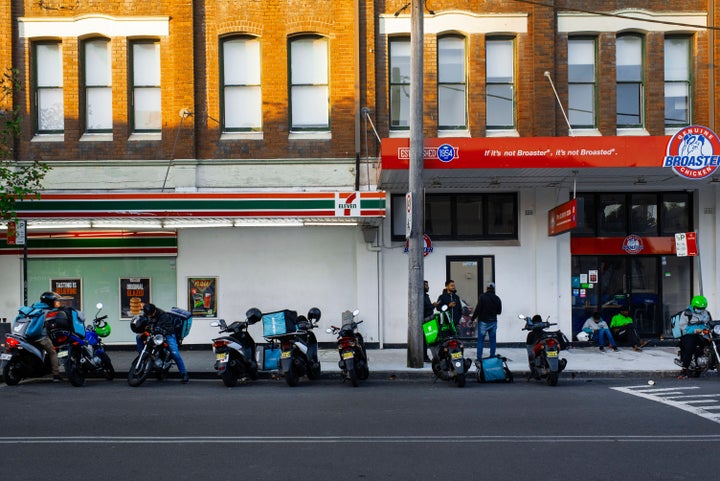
698	317
164	323
428	310
450	299
488	308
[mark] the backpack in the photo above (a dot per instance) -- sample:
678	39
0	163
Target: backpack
494	369
182	321
29	321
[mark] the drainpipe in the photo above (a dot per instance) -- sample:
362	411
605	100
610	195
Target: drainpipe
356	26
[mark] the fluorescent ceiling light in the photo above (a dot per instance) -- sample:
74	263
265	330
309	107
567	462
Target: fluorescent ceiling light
187	225
126	225
268	223
337	224
58	225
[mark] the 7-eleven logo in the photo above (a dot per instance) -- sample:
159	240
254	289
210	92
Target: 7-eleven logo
347	205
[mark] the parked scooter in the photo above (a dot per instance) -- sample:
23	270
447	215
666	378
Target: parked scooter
351	347
22	358
299	349
83	355
235	353
154	356
706	357
448	361
543	348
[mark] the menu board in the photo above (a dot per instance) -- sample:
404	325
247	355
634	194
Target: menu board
202	296
134	292
70	291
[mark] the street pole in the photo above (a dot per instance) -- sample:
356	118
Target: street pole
415	184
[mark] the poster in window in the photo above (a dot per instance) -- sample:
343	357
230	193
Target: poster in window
70	291
202	296
134	292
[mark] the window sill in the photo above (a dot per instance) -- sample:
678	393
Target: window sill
674	130
585	133
502	133
399	134
242	136
48	138
454	133
96	138
632	132
325	135
144	137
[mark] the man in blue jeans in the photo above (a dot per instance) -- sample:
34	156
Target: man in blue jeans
165	324
488	308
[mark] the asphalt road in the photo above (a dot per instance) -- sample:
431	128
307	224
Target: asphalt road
590	430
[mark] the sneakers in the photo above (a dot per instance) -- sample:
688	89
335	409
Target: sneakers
602	348
57	379
185	378
615	348
683	374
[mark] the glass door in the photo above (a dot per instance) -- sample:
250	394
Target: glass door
471	274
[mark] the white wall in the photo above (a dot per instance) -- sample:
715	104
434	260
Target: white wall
11	288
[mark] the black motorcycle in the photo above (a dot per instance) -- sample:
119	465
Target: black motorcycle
707	355
351	347
448	361
543	348
155	355
235	353
298	345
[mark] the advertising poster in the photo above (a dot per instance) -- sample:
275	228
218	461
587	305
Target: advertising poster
202	296
70	290
134	292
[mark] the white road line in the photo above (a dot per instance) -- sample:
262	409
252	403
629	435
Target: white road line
651	395
350	439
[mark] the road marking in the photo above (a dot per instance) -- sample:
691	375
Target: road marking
670	397
350	439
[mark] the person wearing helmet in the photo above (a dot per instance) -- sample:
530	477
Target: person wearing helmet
598	330
50	300
162	322
697	317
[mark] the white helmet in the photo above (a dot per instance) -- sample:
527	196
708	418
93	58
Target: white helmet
583	336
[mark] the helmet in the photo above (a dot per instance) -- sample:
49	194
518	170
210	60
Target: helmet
103	329
48	298
698	302
314	314
582	336
138	324
253	315
149	309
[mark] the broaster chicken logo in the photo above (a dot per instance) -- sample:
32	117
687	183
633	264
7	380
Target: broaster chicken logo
693	152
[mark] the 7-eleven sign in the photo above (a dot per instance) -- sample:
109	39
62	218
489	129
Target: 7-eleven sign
347	204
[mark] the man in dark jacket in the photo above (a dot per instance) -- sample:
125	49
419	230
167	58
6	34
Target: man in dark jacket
163	322
450	298
488	307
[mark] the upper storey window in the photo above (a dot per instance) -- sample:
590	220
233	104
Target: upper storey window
452	88
630	88
145	86
399	83
49	106
500	84
97	79
309	84
677	82
242	95
582	82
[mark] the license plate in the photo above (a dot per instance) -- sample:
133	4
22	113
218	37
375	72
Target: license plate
347	355
285	355
62	354
552	354
456	355
221	356
5	357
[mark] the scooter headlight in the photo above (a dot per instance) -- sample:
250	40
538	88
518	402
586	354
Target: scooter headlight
158	339
716	330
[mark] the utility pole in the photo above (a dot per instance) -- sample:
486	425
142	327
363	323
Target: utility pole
415	184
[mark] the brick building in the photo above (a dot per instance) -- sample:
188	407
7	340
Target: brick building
279	128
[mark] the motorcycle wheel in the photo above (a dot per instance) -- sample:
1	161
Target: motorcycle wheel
552	379
108	370
139	370
460	380
73	370
314	371
291	377
364	372
353	376
228	378
10	374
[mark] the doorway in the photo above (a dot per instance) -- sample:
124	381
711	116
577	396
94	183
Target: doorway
471	274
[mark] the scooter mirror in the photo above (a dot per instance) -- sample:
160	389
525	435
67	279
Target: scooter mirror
520	316
99	305
356	312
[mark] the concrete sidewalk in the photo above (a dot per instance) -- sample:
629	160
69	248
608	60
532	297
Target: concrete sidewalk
583	362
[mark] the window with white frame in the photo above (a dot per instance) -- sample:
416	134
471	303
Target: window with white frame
97	73
145	86
452	89
399	54
241	92
582	82
629	81
309	84
500	83
677	82
49	105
